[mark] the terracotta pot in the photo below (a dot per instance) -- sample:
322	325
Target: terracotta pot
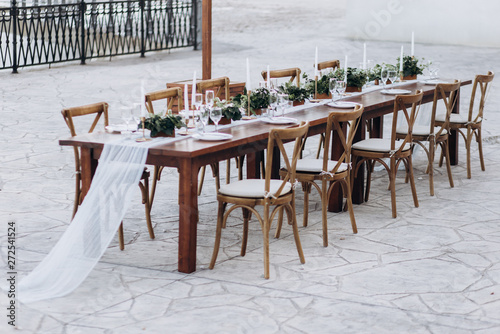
351	89
376	82
258	111
410	77
298	103
323	96
163	134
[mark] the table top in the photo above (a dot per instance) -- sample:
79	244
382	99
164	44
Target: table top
253	136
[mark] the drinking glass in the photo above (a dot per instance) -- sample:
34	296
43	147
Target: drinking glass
392	76
198	100
204	114
273	102
341	85
384	75
215	116
273	82
127	115
209	98
333	87
283	103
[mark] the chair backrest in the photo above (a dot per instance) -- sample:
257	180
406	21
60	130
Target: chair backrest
218	85
169	93
293	73
448	94
401	105
481	81
329	63
334	125
97	109
277	138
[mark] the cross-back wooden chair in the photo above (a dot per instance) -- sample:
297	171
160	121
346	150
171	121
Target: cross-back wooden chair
219	86
470	126
170	95
433	134
329	64
376	149
269	193
101	110
330	172
293	73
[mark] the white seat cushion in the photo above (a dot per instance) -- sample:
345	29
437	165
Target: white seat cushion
454	118
316	165
418	130
253	188
378	145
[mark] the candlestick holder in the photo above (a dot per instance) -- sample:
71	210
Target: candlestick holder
316	87
143	138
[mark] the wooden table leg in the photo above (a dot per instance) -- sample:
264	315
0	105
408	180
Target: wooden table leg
253	165
88	167
453	137
188	215
358	189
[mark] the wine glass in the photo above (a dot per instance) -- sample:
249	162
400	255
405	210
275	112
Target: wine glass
392	76
273	102
384	75
127	115
204	114
333	87
341	85
209	98
198	100
215	116
283	102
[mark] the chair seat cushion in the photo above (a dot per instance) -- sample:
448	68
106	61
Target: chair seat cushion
316	166
454	118
253	188
378	145
419	130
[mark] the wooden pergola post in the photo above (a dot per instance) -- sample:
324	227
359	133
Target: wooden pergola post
206	42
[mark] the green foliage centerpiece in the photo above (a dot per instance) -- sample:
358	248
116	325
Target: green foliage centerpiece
295	94
411	67
356	78
230	110
163	126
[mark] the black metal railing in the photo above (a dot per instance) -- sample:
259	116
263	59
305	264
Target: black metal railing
47	34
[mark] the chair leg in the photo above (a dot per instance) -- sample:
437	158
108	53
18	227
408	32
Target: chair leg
412	182
291	211
147	207
121	240
202	179
218	233
480	147
320	145
348	191
265	233
392	185
280	224
468	146
306	187
430	167
448	164
246	219
78	192
324	209
369	169
156	177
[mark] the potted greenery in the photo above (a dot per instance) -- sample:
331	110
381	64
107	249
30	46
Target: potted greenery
162	126
323	86
230	110
374	74
411	67
295	94
259	99
356	78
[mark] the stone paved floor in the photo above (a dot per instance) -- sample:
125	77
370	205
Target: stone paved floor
434	269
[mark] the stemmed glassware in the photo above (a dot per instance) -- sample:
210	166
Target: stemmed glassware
209	98
384	75
215	116
204	114
127	115
341	86
273	102
333	87
283	103
392	76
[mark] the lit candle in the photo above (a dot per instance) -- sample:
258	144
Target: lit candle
186	104
248	75
345	70
268	78
316	63
401	60
193	90
412	43
364	56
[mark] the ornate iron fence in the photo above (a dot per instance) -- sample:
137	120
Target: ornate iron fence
47	34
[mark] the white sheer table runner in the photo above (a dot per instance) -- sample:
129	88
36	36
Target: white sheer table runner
89	234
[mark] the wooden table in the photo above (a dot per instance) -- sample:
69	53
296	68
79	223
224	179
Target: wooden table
189	155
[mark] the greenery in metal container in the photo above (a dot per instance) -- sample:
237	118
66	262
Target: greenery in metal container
166	124
411	66
356	77
230	110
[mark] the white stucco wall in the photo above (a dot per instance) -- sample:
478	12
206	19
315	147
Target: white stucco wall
459	22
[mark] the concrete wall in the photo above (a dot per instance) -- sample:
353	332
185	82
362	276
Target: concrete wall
458	22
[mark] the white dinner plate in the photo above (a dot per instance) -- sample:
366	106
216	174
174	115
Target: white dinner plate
212	136
343	104
395	91
119	128
434	82
279	120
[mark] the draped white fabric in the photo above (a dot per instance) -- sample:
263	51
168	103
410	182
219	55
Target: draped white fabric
93	227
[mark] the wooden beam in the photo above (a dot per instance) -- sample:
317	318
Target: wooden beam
206	42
